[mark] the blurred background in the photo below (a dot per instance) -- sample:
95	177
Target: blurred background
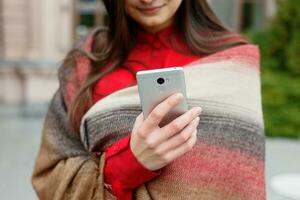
35	35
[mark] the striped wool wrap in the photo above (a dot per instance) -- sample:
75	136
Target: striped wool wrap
227	161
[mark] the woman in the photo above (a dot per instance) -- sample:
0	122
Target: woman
101	154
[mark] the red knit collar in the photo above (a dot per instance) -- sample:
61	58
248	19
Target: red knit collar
164	36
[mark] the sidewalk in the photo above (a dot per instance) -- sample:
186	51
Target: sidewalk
282	157
20	140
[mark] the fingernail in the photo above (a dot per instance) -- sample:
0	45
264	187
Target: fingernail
198	110
196	121
178	96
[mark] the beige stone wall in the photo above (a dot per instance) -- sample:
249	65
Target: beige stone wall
15	27
37	34
37	28
1	30
21	85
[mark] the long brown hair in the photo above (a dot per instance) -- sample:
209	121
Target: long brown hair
199	27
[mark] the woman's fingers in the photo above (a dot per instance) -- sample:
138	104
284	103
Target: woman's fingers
139	120
182	149
176	126
178	139
180	123
160	111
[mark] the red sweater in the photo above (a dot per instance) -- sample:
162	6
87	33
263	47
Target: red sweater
152	51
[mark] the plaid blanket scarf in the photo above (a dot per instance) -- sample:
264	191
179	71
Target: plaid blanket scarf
227	161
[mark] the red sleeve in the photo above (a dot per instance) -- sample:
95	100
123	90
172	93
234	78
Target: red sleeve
122	171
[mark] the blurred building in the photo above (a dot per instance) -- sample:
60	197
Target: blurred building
35	36
241	15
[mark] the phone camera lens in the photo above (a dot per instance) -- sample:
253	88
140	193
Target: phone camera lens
160	81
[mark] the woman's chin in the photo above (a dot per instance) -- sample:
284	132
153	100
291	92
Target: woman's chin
154	25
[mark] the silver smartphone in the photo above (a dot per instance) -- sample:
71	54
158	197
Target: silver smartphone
155	86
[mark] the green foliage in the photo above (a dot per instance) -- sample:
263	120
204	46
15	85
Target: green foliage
284	36
280	52
281	103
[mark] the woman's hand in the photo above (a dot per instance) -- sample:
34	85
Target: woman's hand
154	146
